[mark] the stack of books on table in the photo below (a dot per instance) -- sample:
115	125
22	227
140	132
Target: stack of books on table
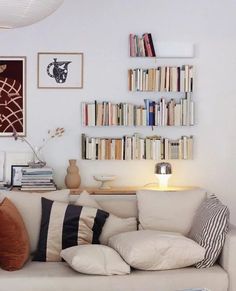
40	179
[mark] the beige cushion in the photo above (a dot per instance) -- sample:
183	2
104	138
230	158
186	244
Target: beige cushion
124	206
168	211
95	259
113	224
29	206
155	250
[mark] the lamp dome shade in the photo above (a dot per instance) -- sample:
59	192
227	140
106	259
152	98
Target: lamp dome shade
17	13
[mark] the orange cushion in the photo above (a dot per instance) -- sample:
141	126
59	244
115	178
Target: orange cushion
14	240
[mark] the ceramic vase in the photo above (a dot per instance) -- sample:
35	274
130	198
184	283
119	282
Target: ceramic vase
72	179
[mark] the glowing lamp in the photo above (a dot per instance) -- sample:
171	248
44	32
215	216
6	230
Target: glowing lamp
163	172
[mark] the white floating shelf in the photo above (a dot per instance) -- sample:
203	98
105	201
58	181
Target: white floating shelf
174	50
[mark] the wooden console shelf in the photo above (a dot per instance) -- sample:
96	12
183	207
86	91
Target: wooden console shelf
127	190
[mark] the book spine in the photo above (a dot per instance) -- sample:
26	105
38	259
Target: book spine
132	46
147	45
151	45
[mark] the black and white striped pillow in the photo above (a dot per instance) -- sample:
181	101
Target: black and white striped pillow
209	229
64	225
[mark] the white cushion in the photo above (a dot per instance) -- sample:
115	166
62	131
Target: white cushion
113	224
155	250
95	259
29	206
168	211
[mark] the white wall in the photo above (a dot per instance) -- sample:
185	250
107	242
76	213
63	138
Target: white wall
100	30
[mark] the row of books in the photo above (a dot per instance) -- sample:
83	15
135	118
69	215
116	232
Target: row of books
37	179
152	113
141	46
136	147
163	79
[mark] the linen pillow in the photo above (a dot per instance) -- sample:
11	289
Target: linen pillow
29	206
168	211
209	229
64	225
156	250
113	224
96	260
14	240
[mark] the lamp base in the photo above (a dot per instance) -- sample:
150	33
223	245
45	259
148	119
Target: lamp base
163	180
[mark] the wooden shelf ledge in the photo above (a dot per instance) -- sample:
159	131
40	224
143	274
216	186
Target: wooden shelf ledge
127	190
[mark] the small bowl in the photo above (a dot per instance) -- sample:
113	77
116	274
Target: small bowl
104	179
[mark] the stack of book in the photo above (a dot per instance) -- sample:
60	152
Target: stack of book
162	79
136	147
152	113
141	46
37	179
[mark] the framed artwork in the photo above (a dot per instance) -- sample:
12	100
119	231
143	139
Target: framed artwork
60	70
12	95
16	174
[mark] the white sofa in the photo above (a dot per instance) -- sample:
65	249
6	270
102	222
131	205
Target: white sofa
41	276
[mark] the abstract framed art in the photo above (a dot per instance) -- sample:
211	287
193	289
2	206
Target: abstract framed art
60	70
12	95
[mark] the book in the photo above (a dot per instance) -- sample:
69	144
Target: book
151	45
91	114
167	79
147	45
151	113
132	46
53	188
162	78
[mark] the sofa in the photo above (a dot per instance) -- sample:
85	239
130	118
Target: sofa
58	276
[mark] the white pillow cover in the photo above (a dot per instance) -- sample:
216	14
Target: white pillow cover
29	206
168	211
96	260
156	250
113	225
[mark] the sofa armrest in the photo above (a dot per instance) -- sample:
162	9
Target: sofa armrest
228	257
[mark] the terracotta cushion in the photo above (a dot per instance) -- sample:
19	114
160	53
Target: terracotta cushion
14	240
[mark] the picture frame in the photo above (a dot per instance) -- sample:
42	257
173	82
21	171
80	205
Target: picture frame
60	70
16	175
13	95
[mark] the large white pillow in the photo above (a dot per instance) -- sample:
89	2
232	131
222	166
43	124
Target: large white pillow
96	260
29	206
155	250
168	211
113	224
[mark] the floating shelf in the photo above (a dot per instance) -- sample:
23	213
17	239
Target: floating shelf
175	50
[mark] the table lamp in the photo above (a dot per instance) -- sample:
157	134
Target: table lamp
163	172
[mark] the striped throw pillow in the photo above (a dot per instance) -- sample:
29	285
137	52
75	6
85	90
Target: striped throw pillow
209	229
64	225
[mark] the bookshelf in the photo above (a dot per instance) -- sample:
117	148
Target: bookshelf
136	147
173	107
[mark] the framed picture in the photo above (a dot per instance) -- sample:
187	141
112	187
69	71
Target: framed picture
60	70
12	95
16	174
